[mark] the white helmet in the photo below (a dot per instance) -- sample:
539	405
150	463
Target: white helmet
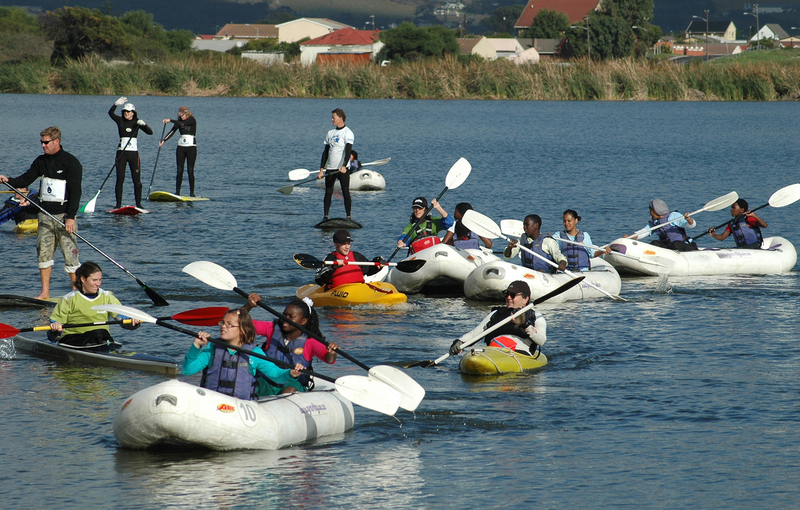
128	107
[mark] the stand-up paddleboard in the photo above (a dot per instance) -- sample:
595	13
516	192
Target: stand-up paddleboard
27	226
128	210
10	301
165	196
337	223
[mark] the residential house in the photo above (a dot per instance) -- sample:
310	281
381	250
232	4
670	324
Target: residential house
450	9
297	29
547	49
790	42
770	31
477	46
528	56
344	45
575	10
247	31
505	47
221	45
714	49
724	30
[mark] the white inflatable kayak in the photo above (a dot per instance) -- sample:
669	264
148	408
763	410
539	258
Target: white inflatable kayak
360	180
445	269
776	256
178	413
488	281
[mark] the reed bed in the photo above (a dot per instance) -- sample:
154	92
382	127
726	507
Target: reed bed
209	75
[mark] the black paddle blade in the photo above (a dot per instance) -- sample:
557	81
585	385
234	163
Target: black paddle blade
308	261
410	266
153	295
559	290
424	364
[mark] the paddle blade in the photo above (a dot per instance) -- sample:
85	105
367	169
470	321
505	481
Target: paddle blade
211	274
209	316
559	290
410	266
299	174
785	196
89	206
458	174
480	224
411	393
7	331
512	228
369	393
721	202
127	311
379	162
286	190
153	295
308	261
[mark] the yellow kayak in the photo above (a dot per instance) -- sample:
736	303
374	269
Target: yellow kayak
495	360
25	226
352	294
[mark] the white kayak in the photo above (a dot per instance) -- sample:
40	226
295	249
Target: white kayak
445	270
776	256
363	179
181	414
488	282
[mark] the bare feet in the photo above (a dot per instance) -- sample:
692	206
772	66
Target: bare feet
43	295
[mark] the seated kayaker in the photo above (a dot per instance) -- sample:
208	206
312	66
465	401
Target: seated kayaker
672	235
524	334
355	164
541	244
460	236
19	208
76	308
577	256
426	232
233	372
287	343
341	272
745	227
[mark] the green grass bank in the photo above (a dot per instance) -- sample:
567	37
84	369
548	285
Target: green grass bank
208	75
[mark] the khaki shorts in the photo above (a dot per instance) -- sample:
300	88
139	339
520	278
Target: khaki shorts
51	235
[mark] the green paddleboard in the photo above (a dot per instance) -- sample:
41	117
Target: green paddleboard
164	196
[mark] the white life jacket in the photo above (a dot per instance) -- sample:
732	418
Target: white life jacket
186	141
53	190
128	144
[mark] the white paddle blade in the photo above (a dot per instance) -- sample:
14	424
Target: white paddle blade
785	196
211	274
379	162
369	393
480	224
299	174
721	202
90	205
512	228
411	393
458	174
127	311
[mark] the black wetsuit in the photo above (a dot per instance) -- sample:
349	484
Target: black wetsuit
128	129
185	154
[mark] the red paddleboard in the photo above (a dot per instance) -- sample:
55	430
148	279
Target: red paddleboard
128	210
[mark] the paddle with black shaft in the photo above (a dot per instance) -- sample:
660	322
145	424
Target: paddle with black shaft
301	173
515	228
781	198
287	190
311	262
218	277
456	176
90	205
714	205
360	390
153	295
209	316
469	341
486	227
158	153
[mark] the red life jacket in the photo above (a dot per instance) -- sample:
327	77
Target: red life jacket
347	273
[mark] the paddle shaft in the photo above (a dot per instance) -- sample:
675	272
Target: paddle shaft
623	255
158	153
416	224
222	343
153	295
734	219
112	169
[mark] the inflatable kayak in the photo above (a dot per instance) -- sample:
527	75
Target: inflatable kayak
487	282
180	414
776	256
164	196
27	226
495	360
363	179
444	272
353	294
128	210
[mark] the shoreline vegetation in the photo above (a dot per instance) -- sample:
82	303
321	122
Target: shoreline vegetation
448	78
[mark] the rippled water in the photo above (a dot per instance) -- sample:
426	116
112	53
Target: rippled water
685	396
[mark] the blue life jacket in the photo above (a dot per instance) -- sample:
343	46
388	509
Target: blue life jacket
743	233
471	242
577	256
669	233
291	353
230	374
510	328
536	263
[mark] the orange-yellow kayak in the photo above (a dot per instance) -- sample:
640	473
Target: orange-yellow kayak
494	360
353	294
25	226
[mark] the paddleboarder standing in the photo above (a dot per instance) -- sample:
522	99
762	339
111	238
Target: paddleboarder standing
335	160
186	152
128	127
60	193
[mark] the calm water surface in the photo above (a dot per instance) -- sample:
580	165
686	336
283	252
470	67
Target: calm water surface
685	396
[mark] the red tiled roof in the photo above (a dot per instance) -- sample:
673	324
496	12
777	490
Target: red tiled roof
345	37
574	9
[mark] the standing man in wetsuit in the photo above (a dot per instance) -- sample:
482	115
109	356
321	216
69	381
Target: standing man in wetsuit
335	160
128	150
60	195
187	146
